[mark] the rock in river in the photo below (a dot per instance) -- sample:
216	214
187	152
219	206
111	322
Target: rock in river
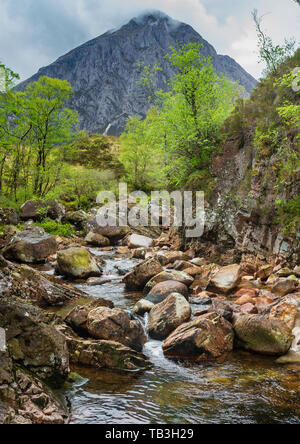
263	335
170	275
137	241
206	338
115	325
161	291
140	275
226	279
168	315
77	263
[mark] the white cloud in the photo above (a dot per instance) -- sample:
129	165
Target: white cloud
36	32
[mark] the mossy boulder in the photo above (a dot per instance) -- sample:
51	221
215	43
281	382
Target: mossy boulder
77	263
263	335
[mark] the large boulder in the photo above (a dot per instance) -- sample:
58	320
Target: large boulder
113	233
103	354
32	342
168	315
140	275
206	338
31	246
37	209
115	325
77	318
97	240
39	288
138	241
161	291
170	275
263	334
77	263
285	286
226	279
8	216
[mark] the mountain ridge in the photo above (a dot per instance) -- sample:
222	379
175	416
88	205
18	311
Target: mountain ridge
104	71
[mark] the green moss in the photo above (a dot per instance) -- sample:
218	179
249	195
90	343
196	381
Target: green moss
57	228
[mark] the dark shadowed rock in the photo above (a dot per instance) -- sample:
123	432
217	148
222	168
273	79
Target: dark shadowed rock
37	209
206	338
31	246
8	216
114	234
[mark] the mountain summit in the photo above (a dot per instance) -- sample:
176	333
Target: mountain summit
105	71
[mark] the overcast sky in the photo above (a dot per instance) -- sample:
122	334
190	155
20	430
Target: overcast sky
34	33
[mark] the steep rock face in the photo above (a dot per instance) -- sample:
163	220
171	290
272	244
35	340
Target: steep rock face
104	72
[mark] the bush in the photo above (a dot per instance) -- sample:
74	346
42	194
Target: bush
57	228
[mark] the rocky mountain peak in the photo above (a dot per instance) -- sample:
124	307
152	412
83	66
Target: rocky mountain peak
105	71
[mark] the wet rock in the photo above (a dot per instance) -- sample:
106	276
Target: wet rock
32	342
8	216
161	291
194	271
30	246
77	318
115	325
140	253
286	311
206	338
97	240
180	265
140	275
138	241
170	275
251	292
37	209
77	263
265	272
248	309
94	282
114	234
168	315
226	279
143	306
262	334
285	286
169	257
223	308
246	299
103	354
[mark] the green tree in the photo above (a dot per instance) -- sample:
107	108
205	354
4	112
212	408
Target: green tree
181	132
269	53
53	125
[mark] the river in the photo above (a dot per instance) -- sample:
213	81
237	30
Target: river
245	389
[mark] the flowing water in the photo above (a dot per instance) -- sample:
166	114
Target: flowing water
244	389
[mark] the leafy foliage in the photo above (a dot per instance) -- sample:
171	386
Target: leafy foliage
57	228
181	131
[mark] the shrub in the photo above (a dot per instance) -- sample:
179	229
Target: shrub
57	228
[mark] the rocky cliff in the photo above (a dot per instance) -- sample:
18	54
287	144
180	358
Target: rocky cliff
104	72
